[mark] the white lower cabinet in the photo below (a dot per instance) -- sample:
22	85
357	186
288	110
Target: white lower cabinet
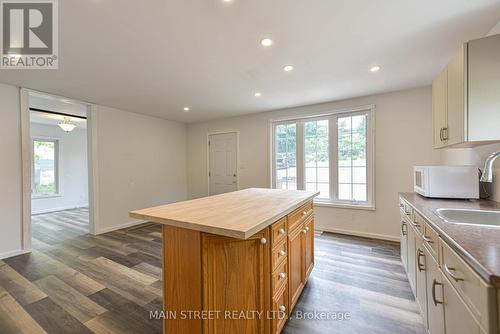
458	318
421	270
468	306
435	307
412	264
404	243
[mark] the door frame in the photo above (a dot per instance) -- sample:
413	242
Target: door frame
222	132
27	161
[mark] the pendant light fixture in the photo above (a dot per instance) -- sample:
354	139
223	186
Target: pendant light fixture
66	125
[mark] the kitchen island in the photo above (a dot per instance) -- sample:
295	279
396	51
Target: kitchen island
235	262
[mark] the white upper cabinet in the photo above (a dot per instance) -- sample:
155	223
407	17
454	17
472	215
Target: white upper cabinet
466	96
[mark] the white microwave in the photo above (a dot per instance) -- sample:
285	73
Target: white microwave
446	181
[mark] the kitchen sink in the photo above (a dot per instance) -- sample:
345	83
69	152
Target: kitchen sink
470	217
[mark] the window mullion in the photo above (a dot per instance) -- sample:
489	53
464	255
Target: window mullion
300	158
333	159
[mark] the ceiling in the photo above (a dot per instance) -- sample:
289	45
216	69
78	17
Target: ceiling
160	56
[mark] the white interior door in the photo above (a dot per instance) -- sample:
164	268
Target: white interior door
222	171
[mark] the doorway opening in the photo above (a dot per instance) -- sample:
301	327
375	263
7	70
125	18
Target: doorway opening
59	169
222	162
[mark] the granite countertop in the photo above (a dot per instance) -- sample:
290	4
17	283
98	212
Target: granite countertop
238	214
479	246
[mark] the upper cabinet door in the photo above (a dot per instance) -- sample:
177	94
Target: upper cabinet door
439	108
457	98
484	88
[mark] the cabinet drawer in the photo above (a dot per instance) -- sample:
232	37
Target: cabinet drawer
279	277
418	222
478	296
278	232
279	310
431	240
405	216
279	254
405	207
298	215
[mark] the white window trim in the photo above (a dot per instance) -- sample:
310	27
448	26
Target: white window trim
370	135
56	166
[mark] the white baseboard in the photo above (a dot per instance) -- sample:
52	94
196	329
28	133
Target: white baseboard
360	234
119	227
62	208
14	253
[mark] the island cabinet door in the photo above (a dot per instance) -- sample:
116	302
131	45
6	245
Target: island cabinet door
309	245
296	263
236	284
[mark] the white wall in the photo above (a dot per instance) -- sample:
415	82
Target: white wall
403	136
141	163
477	156
10	171
73	171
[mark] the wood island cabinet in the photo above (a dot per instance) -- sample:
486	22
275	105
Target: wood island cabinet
241	271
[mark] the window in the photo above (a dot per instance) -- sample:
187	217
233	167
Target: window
331	154
45	168
317	157
286	156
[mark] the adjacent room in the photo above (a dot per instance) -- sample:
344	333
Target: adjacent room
60	193
250	167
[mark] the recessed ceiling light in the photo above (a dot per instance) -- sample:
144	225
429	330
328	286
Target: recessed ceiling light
288	68
186	109
375	68
228	0
257	94
266	42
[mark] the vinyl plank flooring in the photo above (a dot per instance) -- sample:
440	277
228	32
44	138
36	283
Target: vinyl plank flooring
14	318
117	279
54	319
23	290
69	299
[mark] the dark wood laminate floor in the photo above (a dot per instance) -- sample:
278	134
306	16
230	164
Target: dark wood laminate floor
109	283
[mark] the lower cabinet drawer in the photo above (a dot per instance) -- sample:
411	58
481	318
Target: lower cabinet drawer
278	232
298	215
278	255
279	311
478	296
279	277
431	239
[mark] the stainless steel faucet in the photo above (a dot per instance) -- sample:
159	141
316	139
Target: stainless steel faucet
487	175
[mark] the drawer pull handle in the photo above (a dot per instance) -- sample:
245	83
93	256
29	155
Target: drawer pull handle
427	239
420	254
282	275
452	275
436	302
415	224
281	231
307	229
304	231
263	241
282	308
403	229
304	213
282	253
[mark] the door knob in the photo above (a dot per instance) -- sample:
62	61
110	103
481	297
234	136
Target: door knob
263	241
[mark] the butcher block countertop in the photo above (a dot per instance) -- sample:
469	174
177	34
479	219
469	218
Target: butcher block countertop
479	246
238	214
